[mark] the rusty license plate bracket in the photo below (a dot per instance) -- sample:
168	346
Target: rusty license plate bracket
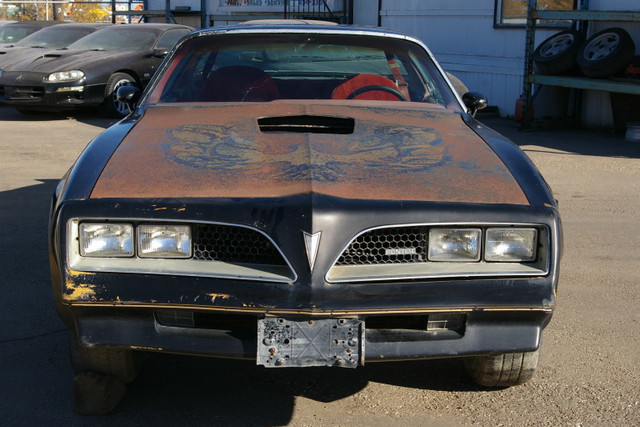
317	342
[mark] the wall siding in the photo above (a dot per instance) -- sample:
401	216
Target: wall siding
460	34
490	60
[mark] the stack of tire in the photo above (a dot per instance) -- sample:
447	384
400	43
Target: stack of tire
604	54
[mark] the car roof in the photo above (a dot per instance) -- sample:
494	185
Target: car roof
304	25
36	24
159	26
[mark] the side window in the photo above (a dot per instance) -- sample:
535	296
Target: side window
170	38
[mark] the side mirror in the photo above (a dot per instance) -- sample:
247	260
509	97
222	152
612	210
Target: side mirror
159	53
128	95
474	101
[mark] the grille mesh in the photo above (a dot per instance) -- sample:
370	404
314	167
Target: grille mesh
215	242
387	246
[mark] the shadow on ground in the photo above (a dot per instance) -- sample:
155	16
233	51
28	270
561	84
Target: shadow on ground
575	141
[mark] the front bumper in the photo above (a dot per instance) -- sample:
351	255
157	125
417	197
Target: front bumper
28	90
235	335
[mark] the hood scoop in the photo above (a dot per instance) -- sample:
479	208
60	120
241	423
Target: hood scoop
307	124
51	55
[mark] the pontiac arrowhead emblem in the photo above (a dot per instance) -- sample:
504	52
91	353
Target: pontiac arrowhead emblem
311	243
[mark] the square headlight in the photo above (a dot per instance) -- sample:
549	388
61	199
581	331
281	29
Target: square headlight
164	241
106	240
511	244
454	244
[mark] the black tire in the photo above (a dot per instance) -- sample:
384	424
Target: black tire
557	54
111	107
606	53
503	370
115	362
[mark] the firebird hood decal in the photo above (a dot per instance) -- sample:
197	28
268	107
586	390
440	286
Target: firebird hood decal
393	154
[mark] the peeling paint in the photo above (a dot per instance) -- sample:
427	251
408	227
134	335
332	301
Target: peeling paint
77	291
218	296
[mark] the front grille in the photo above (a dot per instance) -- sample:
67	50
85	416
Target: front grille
226	243
23	92
387	246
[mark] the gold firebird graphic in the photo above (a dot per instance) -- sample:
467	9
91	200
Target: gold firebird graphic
303	157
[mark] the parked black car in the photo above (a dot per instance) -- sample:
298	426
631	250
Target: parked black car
88	72
16	31
300	195
52	37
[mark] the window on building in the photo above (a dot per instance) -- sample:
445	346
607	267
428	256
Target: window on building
513	13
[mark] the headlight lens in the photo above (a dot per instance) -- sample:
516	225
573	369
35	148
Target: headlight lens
454	244
511	244
65	76
106	240
164	241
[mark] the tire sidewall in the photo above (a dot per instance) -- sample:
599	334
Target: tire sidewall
563	62
612	63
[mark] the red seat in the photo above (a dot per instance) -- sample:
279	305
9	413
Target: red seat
239	84
368	86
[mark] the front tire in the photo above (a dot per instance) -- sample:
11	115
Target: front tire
503	370
111	107
115	362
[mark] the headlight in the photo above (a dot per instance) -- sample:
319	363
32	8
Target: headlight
64	76
164	241
106	240
511	244
454	244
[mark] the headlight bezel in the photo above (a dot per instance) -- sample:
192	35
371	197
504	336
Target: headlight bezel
425	269
135	233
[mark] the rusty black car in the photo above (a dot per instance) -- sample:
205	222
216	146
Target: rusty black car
300	195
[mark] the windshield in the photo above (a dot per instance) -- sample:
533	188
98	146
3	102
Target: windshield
54	37
12	33
265	67
118	38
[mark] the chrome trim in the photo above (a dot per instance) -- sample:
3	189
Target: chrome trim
311	242
174	267
438	270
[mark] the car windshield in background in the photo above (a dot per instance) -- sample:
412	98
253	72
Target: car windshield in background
13	33
236	68
117	39
54	37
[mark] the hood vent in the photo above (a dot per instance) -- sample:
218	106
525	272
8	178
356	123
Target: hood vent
307	124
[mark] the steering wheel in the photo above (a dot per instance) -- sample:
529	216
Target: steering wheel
372	88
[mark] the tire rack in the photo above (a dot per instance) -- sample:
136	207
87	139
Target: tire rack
533	14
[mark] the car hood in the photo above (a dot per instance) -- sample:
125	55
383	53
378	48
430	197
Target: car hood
392	152
51	61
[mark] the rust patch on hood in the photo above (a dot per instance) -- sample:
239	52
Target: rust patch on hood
394	153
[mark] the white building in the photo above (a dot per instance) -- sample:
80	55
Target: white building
466	36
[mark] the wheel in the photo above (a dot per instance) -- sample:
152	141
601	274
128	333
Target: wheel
557	54
606	53
115	362
503	370
111	106
373	88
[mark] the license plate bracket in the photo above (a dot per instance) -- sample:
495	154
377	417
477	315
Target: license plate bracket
318	342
